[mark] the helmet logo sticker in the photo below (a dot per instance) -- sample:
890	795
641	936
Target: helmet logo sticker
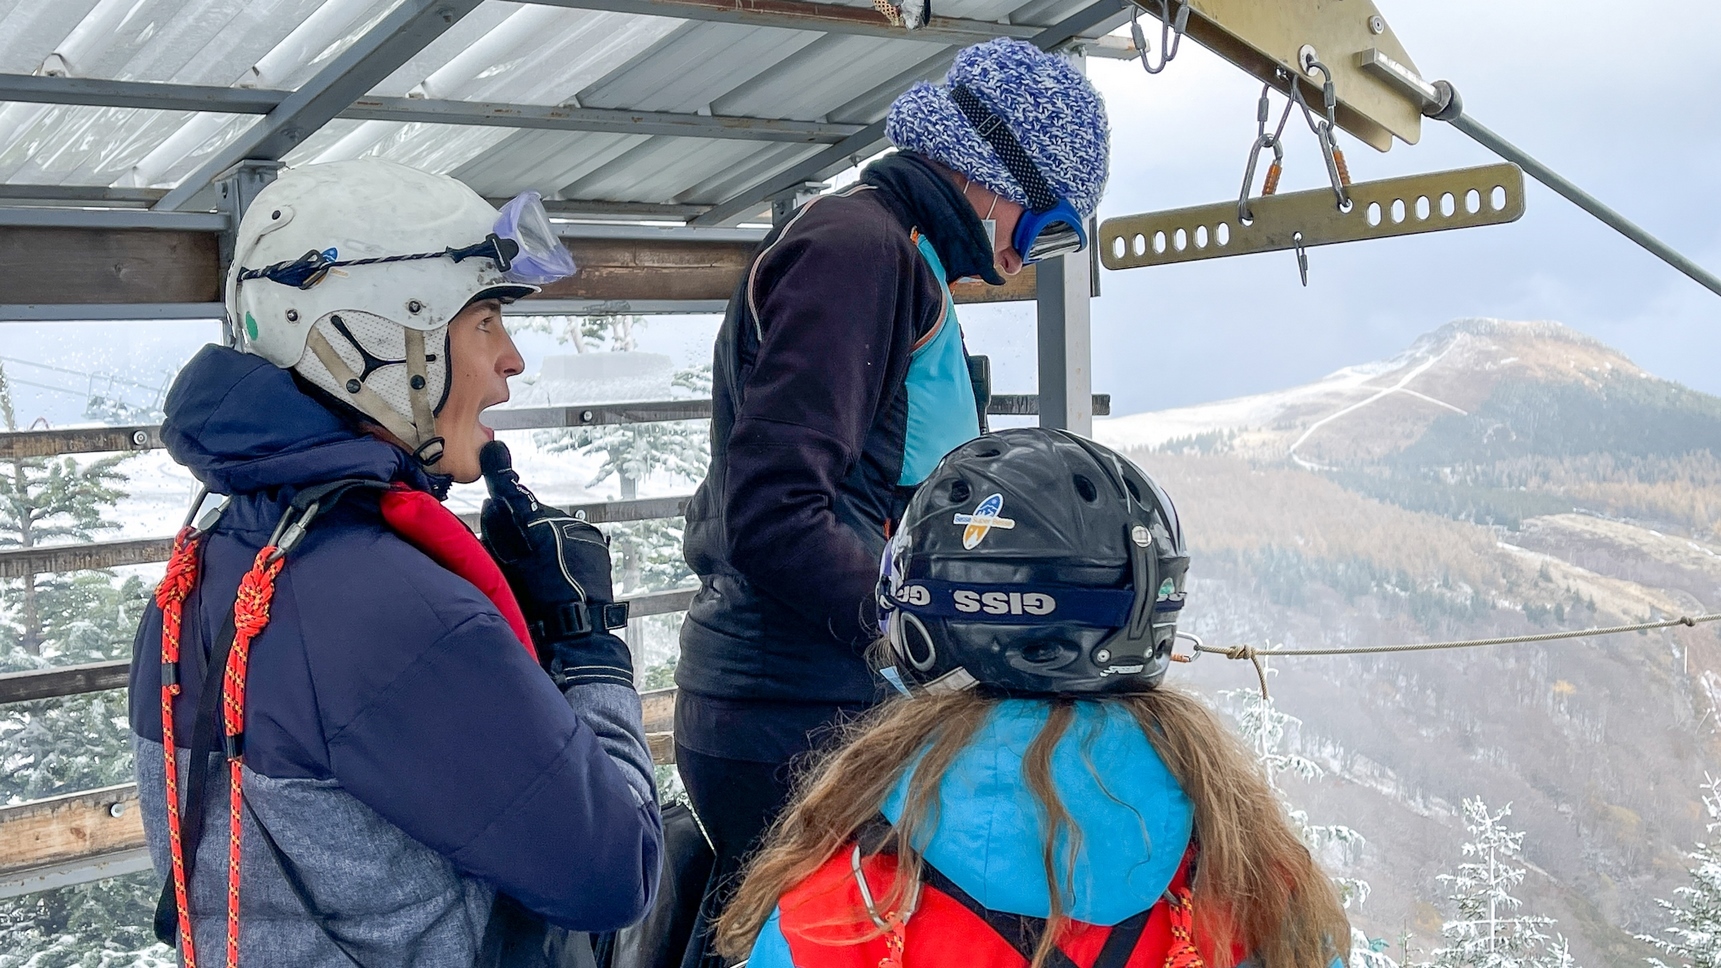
1003	603
982	521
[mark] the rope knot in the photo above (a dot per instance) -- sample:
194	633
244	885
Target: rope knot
251	606
1687	621
181	575
1183	953
1241	652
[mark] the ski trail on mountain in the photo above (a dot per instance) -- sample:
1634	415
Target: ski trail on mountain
1395	388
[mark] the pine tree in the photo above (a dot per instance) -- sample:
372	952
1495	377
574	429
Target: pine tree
1269	732
57	746
1488	931
1693	938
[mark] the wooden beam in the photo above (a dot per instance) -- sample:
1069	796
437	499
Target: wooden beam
138	266
85	836
114	674
70	681
75	826
59	265
23	562
78	440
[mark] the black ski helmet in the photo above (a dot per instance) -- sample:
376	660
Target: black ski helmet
1034	562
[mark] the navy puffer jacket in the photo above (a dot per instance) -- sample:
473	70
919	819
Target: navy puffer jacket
401	747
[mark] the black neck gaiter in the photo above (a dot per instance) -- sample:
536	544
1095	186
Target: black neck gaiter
923	198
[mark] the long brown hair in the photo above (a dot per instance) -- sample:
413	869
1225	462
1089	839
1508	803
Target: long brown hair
1255	882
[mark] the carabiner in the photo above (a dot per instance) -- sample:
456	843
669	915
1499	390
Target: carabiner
1262	143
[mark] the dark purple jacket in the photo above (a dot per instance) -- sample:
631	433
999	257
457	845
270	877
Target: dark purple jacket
407	754
809	431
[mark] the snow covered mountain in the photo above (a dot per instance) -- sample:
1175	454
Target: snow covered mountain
1497	478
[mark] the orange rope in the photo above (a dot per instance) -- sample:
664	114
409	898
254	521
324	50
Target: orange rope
1183	953
170	595
250	617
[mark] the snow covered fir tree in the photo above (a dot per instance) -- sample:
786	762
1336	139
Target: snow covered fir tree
55	746
1271	734
676	453
1692	937
1488	929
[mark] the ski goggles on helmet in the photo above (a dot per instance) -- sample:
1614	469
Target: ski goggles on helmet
523	246
1050	226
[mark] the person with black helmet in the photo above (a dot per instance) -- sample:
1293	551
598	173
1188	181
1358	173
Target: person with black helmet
1037	794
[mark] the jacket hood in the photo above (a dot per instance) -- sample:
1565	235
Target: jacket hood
240	425
1134	819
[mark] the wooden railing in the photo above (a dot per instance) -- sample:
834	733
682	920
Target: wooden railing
92	834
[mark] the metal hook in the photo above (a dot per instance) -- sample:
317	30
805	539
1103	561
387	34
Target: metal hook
1244	214
1302	258
1171	27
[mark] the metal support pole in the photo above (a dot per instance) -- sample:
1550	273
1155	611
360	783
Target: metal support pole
239	186
1065	343
784	204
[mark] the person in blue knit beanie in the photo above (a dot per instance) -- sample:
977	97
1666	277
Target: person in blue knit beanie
840	379
1045	158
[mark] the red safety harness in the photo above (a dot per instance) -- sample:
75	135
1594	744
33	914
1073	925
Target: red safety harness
416	516
943	926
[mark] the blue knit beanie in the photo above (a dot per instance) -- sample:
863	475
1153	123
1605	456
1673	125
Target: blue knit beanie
1047	104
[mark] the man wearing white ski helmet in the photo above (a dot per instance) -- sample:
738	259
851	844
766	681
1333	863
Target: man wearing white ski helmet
352	274
434	747
840	378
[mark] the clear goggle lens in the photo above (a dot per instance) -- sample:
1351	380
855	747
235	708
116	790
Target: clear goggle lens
542	258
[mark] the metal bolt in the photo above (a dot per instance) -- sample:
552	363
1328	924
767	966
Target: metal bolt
1139	535
586	416
353	386
1102	655
139	438
1377	24
414	306
275	214
116	809
418	383
1307	58
292	315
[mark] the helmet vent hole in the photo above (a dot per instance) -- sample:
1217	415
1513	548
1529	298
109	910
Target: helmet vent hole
1134	491
960	492
1042	653
1086	489
991	450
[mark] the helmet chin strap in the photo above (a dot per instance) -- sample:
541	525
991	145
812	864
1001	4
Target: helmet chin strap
419	433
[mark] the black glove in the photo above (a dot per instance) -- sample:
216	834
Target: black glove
559	568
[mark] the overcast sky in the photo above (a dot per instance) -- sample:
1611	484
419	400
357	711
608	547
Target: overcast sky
1626	107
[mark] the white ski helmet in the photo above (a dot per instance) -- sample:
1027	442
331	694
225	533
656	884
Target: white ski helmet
350	272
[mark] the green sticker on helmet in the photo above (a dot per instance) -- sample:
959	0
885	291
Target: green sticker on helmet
250	326
1166	588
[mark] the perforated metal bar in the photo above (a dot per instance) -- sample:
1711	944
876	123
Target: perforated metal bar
1437	202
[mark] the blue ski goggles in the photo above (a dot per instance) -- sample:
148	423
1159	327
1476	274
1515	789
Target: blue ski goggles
1050	226
1047	235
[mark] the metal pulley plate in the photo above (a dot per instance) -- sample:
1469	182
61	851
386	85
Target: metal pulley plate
1435	202
1271	39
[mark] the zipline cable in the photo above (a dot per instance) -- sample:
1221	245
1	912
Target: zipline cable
1439	101
1584	200
1254	654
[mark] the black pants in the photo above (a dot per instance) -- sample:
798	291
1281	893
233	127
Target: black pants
735	801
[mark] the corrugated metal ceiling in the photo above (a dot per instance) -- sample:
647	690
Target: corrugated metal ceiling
508	53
